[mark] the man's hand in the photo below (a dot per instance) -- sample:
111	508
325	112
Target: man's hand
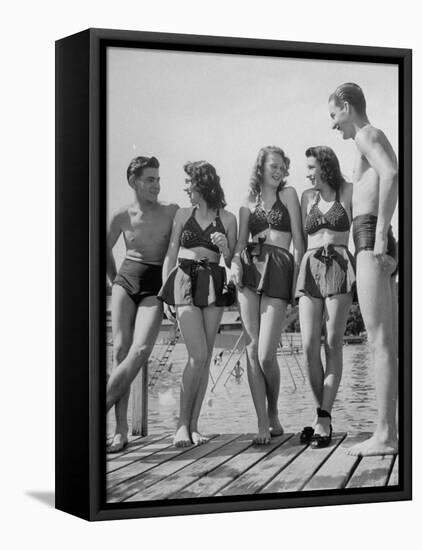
380	248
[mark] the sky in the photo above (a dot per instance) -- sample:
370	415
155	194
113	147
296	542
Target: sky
180	106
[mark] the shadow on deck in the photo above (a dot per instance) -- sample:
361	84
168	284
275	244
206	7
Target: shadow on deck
151	468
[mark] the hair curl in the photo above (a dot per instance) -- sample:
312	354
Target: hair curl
329	164
138	164
206	181
353	94
257	177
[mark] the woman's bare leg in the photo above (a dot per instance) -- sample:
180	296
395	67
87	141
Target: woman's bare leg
212	318
273	313
310	315
336	313
249	303
191	325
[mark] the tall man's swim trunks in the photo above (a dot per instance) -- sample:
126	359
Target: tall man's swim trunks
364	228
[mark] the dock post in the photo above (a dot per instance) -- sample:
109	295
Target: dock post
140	403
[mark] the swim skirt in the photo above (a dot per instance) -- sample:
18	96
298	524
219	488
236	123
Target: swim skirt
194	282
268	269
139	279
326	271
364	228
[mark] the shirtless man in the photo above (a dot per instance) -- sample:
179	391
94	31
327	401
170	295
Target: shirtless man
136	312
375	193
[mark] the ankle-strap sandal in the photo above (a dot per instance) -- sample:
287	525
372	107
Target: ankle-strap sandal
320	441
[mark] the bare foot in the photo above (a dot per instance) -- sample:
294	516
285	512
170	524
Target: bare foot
374	446
182	437
118	443
263	437
198	438
276	428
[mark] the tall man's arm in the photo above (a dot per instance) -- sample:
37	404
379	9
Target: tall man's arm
374	145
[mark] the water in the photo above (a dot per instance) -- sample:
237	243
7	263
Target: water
229	408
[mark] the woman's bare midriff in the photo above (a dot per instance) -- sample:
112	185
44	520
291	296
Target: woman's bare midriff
273	237
198	253
327	236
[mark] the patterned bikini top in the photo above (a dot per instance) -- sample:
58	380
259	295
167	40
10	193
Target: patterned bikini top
335	219
193	235
277	218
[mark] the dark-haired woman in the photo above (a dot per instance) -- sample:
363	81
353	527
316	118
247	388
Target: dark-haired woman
325	284
265	273
194	283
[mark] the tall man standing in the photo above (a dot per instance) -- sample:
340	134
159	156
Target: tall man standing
136	312
375	193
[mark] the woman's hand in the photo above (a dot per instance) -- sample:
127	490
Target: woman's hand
170	313
220	240
236	273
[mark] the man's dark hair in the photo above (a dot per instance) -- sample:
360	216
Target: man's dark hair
138	164
352	93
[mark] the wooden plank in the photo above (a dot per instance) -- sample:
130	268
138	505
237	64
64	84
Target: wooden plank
230	470
337	469
170	462
261	473
139	453
179	480
372	471
135	443
135	469
298	472
394	476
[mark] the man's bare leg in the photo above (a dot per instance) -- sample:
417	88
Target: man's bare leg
212	318
192	329
123	314
147	326
376	303
273	314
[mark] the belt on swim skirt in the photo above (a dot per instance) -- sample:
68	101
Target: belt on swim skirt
200	272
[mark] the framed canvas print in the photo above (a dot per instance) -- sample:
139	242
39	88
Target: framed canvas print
233	286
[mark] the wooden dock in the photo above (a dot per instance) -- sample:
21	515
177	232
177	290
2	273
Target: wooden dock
151	468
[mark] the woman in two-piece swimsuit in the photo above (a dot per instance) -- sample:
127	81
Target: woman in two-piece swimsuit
194	285
265	273
326	284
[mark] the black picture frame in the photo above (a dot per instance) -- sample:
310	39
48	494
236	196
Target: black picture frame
80	268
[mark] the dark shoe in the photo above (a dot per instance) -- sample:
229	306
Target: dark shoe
320	441
306	434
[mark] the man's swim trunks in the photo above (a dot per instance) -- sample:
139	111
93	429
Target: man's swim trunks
364	228
139	279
